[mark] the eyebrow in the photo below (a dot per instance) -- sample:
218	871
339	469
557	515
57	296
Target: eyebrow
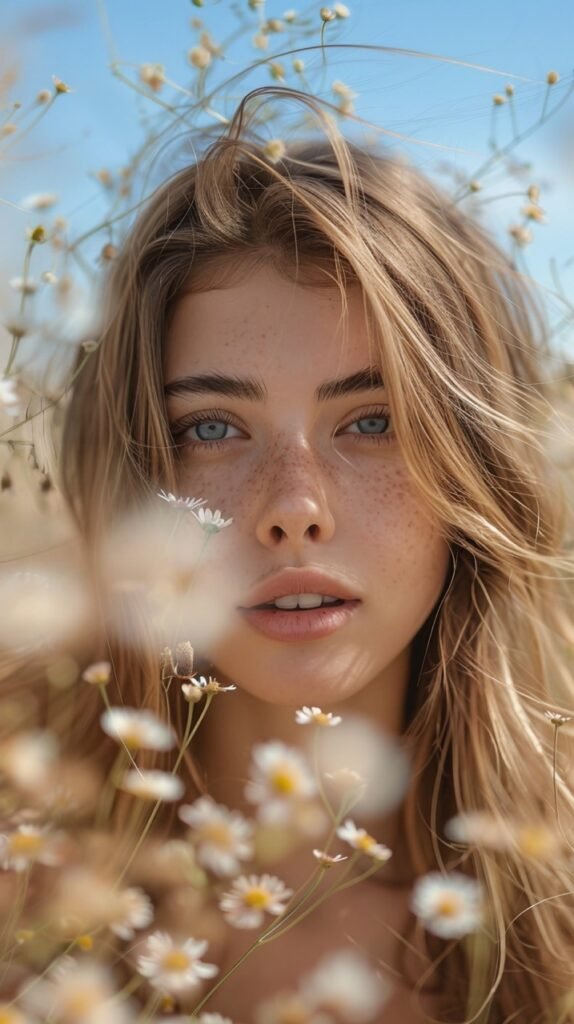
254	390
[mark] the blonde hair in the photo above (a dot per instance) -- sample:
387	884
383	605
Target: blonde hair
461	344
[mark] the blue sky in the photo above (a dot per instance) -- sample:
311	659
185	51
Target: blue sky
99	124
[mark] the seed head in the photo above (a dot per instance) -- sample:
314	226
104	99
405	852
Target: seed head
277	71
153	75
327	14
509	90
552	77
9	128
274	150
498	99
44	96
199	57
59	85
298	65
474	186
261	41
533	193
108	253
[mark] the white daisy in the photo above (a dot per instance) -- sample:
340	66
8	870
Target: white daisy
28	758
253	896
203	685
134	910
360	839
345	984
173	966
211	521
280	778
153	785
305	715
99	673
222	838
137	729
188	503
448	905
30	844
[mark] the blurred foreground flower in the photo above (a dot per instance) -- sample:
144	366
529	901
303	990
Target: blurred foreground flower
28	845
77	993
40	609
280	778
13	397
345	983
305	715
137	729
152	785
449	906
360	840
222	838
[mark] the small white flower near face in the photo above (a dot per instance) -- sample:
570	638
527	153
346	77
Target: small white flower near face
203	685
137	729
153	785
448	905
187	503
280	779
306	716
222	838
78	993
360	840
134	910
345	983
99	673
28	845
211	521
173	966
253	896
27	285
39	201
29	758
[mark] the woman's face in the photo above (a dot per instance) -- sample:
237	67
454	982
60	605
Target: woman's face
308	482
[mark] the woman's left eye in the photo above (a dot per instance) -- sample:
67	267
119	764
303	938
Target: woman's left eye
371	422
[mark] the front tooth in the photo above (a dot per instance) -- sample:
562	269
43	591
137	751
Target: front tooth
289	601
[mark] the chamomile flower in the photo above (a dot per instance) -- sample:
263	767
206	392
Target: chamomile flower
203	685
211	521
280	779
305	716
134	910
78	993
448	905
173	966
360	839
153	785
137	729
557	720
326	860
222	838
27	845
253	896
187	503
345	983
99	673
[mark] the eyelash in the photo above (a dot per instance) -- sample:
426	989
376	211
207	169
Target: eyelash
210	416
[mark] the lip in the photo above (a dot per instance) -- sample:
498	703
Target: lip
296	626
299	581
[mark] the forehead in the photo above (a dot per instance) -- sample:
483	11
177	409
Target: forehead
269	324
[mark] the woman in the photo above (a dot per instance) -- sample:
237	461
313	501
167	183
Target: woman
327	349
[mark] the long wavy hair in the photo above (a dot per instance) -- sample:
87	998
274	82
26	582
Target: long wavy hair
461	341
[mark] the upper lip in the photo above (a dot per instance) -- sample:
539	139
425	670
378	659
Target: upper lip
299	581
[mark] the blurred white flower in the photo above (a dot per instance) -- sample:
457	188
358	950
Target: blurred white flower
345	984
187	503
77	993
10	1014
173	966
253	896
280	777
40	609
28	285
448	905
341	10
222	838
39	201
133	910
360	840
13	397
99	673
30	844
211	521
289	1006
27	758
305	715
152	785
137	729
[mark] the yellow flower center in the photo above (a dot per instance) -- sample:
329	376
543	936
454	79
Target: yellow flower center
534	841
283	780
175	960
257	898
7	1016
322	718
132	738
217	832
448	905
366	843
81	1002
24	844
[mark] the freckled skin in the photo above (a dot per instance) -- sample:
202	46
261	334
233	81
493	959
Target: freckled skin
300	496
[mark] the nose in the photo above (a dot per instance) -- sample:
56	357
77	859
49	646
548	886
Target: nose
294	508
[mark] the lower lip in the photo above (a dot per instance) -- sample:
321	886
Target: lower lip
310	624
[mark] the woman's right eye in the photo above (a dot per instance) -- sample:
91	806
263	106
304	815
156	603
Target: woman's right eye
211	430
